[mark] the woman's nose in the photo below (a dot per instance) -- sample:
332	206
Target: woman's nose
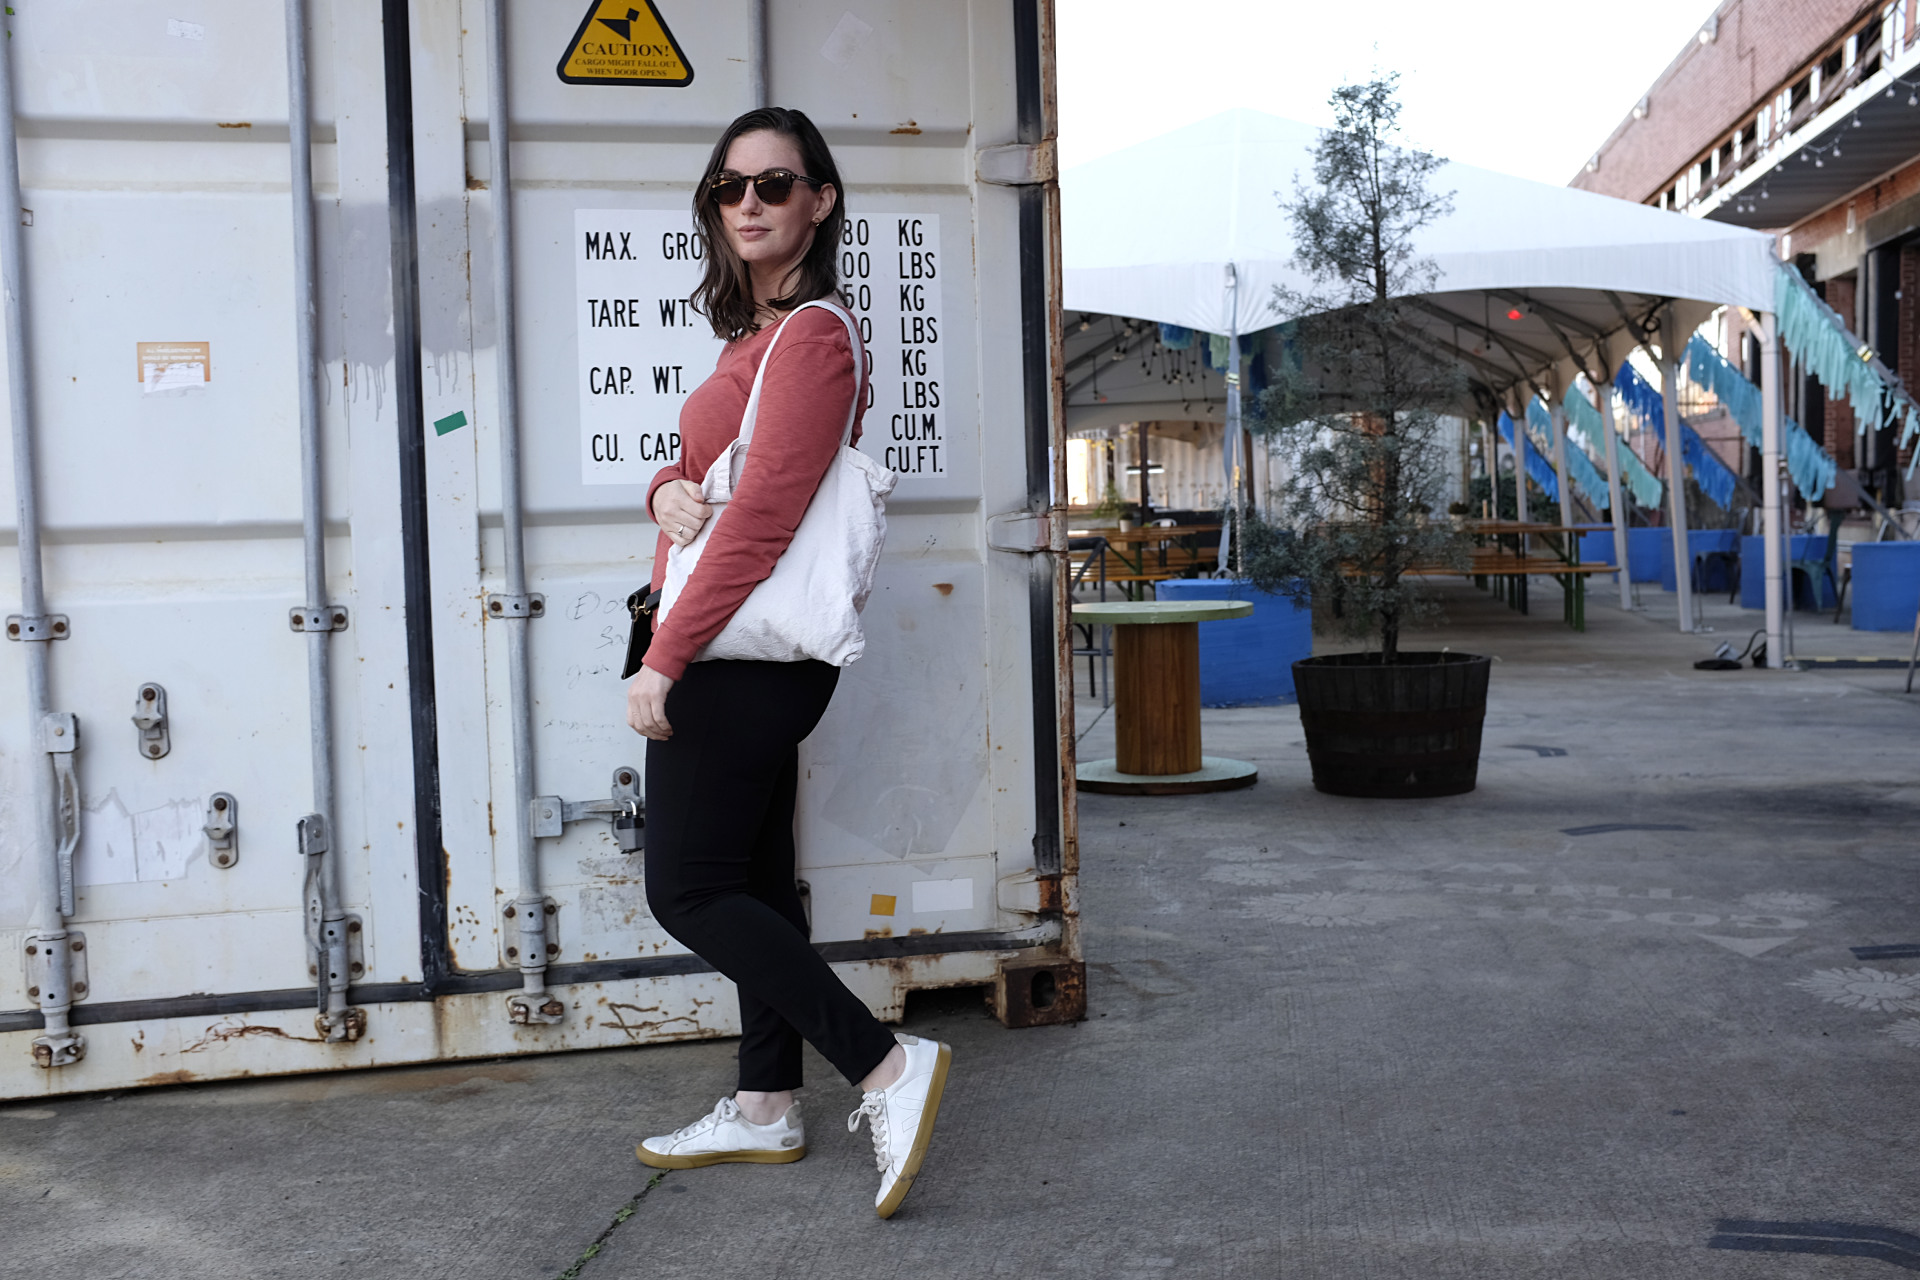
750	202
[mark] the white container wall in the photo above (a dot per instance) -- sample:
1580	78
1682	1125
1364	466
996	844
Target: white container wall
163	392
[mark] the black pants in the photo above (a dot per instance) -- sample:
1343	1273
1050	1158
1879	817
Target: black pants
720	862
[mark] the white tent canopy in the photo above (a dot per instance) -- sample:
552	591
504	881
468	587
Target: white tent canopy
1148	232
1536	285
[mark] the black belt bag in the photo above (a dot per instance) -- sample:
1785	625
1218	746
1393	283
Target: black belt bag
642	604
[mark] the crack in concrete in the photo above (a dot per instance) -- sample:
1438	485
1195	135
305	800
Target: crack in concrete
624	1212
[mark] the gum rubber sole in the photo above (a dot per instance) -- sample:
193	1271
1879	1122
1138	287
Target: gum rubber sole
904	1183
654	1160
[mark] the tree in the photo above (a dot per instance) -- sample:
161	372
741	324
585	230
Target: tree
1356	407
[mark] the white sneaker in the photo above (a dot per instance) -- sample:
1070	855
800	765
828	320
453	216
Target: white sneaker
901	1118
724	1136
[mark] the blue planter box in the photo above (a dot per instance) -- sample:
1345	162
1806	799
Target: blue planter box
1753	572
1649	552
1886	585
1246	662
1699	542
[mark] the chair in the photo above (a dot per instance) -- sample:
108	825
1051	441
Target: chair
1814	571
1728	562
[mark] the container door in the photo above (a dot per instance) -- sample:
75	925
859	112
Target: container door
921	825
159	287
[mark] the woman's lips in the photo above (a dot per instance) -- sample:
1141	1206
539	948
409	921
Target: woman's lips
754	233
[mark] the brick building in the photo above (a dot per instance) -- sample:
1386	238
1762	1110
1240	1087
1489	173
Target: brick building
1800	117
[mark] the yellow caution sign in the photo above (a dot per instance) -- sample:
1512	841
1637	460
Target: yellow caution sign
624	42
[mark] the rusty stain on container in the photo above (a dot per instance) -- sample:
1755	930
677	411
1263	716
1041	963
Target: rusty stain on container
1040	994
169	1077
911	127
642	1028
944	588
878	933
238	124
220	1033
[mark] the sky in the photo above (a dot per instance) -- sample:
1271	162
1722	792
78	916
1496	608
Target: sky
1526	87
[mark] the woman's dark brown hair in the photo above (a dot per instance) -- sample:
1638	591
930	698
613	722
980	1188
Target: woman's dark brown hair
725	295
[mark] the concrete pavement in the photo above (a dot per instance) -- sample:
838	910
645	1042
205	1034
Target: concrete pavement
1584	1022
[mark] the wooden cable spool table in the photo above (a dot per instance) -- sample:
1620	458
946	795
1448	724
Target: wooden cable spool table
1156	700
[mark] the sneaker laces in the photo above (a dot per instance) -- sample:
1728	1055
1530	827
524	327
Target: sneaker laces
724	1110
874	1107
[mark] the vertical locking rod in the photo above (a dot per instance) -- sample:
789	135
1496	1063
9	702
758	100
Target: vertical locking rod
335	1020
58	1045
533	1004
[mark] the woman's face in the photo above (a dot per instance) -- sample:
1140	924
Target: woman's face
772	238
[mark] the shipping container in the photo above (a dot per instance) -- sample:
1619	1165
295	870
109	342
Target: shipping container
312	744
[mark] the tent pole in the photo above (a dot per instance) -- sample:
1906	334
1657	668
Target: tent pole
1557	412
1771	522
1616	500
1230	433
1490	456
1520	468
1676	466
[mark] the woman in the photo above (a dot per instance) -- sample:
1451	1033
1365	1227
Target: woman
722	758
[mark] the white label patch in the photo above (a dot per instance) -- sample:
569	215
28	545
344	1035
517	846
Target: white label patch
942	895
642	347
845	39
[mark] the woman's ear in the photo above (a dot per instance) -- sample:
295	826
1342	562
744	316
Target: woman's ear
828	198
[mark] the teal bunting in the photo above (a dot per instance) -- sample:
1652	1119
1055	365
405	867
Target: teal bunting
1646	404
1538	467
1642	483
1811	467
1820	340
1586	477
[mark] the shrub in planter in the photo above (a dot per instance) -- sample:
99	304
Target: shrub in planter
1356	413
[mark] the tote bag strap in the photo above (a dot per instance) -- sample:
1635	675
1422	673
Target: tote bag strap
859	371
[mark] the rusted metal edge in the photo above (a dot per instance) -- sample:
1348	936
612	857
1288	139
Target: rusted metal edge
560	975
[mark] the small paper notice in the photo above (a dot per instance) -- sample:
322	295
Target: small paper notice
942	895
174	366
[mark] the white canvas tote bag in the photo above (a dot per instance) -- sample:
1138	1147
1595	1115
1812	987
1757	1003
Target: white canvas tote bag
809	607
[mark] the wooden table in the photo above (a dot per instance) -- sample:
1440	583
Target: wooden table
1156	700
1143	555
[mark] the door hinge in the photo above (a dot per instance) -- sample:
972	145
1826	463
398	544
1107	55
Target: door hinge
1026	531
1017	164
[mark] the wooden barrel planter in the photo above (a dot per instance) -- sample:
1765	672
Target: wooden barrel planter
1407	730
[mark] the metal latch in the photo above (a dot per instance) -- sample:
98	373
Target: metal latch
343	942
222	829
502	605
60	738
150	718
43	626
546	815
1026	531
308	618
1018	164
43	966
520	931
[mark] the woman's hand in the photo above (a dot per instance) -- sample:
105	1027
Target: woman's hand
647	705
679	512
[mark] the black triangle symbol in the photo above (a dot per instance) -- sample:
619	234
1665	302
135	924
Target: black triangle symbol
622	27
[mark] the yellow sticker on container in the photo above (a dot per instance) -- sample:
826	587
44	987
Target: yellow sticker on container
883	904
621	42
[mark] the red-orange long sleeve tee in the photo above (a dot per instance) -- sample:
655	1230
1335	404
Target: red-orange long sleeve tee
804	399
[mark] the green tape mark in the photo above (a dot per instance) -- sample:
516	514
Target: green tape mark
452	422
